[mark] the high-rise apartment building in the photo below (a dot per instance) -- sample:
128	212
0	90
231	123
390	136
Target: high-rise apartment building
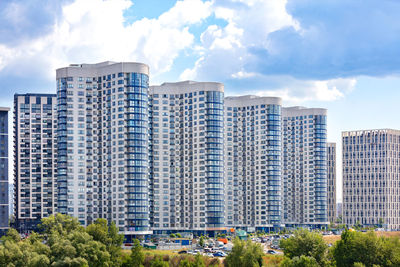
103	144
174	157
304	167
35	158
186	166
253	153
331	182
4	170
371	175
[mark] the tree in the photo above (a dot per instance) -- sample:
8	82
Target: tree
245	254
201	241
137	256
368	249
302	261
198	261
305	243
12	235
108	235
381	221
61	223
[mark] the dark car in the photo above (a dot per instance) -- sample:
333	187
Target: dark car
182	252
273	252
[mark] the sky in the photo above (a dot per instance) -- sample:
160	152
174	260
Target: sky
336	54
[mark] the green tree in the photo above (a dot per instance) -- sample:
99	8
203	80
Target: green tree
198	261
366	248
305	243
108	235
302	261
63	224
201	241
137	256
245	254
381	221
12	235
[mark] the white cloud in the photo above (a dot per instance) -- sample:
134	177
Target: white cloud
295	92
226	54
95	30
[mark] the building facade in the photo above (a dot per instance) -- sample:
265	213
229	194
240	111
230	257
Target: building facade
304	167
331	182
4	197
371	176
253	154
35	159
103	144
186	166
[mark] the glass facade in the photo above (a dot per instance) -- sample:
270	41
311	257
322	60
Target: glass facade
137	112
321	175
62	145
215	154
273	156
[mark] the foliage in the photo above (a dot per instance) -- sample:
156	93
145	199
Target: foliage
178	235
63	242
302	261
305	243
368	249
158	262
137	255
201	241
245	253
172	235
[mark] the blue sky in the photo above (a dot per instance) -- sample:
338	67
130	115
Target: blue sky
339	54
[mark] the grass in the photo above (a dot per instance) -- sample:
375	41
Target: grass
272	260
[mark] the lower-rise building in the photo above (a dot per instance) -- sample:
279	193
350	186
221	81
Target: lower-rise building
371	175
35	159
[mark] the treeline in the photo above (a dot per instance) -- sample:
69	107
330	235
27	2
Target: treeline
63	242
355	249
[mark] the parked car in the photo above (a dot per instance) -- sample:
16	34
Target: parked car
183	252
270	251
219	254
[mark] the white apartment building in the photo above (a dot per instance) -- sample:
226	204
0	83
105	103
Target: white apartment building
35	158
103	143
186	166
371	178
331	182
253	154
304	167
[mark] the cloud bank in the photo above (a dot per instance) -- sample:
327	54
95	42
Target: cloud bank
302	50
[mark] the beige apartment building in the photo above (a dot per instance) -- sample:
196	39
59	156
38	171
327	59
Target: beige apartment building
371	178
